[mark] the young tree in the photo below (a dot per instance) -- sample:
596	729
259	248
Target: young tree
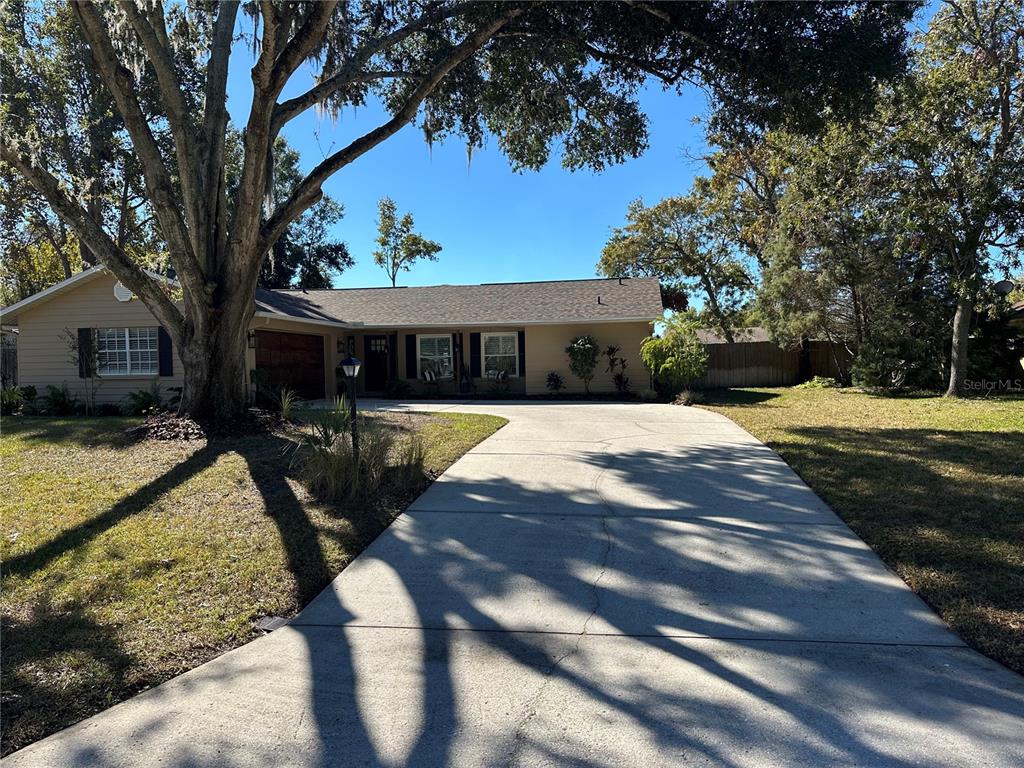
583	354
530	73
399	247
681	242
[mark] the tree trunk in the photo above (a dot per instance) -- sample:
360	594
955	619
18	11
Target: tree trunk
214	385
958	350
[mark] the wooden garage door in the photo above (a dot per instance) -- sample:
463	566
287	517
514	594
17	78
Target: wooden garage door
293	360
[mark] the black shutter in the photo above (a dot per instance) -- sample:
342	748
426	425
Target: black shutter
474	355
164	352
85	353
392	356
456	368
410	356
522	352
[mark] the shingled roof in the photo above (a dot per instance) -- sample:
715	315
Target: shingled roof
557	301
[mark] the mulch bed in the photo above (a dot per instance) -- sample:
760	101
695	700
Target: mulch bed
170	426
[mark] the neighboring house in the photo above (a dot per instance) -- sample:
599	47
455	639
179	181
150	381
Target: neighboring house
465	336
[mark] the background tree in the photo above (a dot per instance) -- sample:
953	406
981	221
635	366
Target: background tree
957	132
51	85
685	245
398	246
305	256
531	73
832	267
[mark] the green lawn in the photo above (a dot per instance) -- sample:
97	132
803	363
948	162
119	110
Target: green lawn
126	563
934	486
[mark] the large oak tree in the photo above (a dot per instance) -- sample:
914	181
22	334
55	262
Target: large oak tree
531	74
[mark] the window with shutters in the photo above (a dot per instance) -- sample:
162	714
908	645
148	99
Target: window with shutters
127	351
435	354
500	351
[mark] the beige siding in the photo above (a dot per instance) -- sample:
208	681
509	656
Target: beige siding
545	352
43	355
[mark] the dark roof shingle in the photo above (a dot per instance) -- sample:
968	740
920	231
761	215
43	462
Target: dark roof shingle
463	305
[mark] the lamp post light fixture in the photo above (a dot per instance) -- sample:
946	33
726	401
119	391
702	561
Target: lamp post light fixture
349	368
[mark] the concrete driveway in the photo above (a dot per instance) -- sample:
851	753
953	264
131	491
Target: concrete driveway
595	585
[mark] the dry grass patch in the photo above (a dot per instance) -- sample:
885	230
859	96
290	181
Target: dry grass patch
126	563
934	486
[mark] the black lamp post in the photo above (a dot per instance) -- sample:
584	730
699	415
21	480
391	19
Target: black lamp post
349	368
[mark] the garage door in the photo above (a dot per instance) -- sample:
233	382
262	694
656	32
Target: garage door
293	360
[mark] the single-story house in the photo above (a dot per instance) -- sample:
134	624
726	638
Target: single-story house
444	339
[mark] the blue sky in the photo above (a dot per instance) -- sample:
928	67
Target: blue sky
495	225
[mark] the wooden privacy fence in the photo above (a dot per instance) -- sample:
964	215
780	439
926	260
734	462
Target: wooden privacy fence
763	364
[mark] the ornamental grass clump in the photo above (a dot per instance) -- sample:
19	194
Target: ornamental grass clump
328	464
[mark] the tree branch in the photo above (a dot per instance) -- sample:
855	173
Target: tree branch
98	241
215	118
214	110
158	181
174	100
309	190
301	45
351	72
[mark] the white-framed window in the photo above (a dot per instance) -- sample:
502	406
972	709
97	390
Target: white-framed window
435	354
500	353
127	351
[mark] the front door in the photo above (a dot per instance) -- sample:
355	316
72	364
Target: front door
376	362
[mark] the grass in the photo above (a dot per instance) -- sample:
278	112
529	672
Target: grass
128	563
934	486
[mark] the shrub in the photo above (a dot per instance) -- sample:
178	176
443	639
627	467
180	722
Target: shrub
555	382
287	399
689	397
819	382
107	409
397	388
677	357
30	404
649	396
58	401
11	399
617	368
583	353
144	401
499	383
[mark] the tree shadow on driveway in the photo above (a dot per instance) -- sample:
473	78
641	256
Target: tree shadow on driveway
524	632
